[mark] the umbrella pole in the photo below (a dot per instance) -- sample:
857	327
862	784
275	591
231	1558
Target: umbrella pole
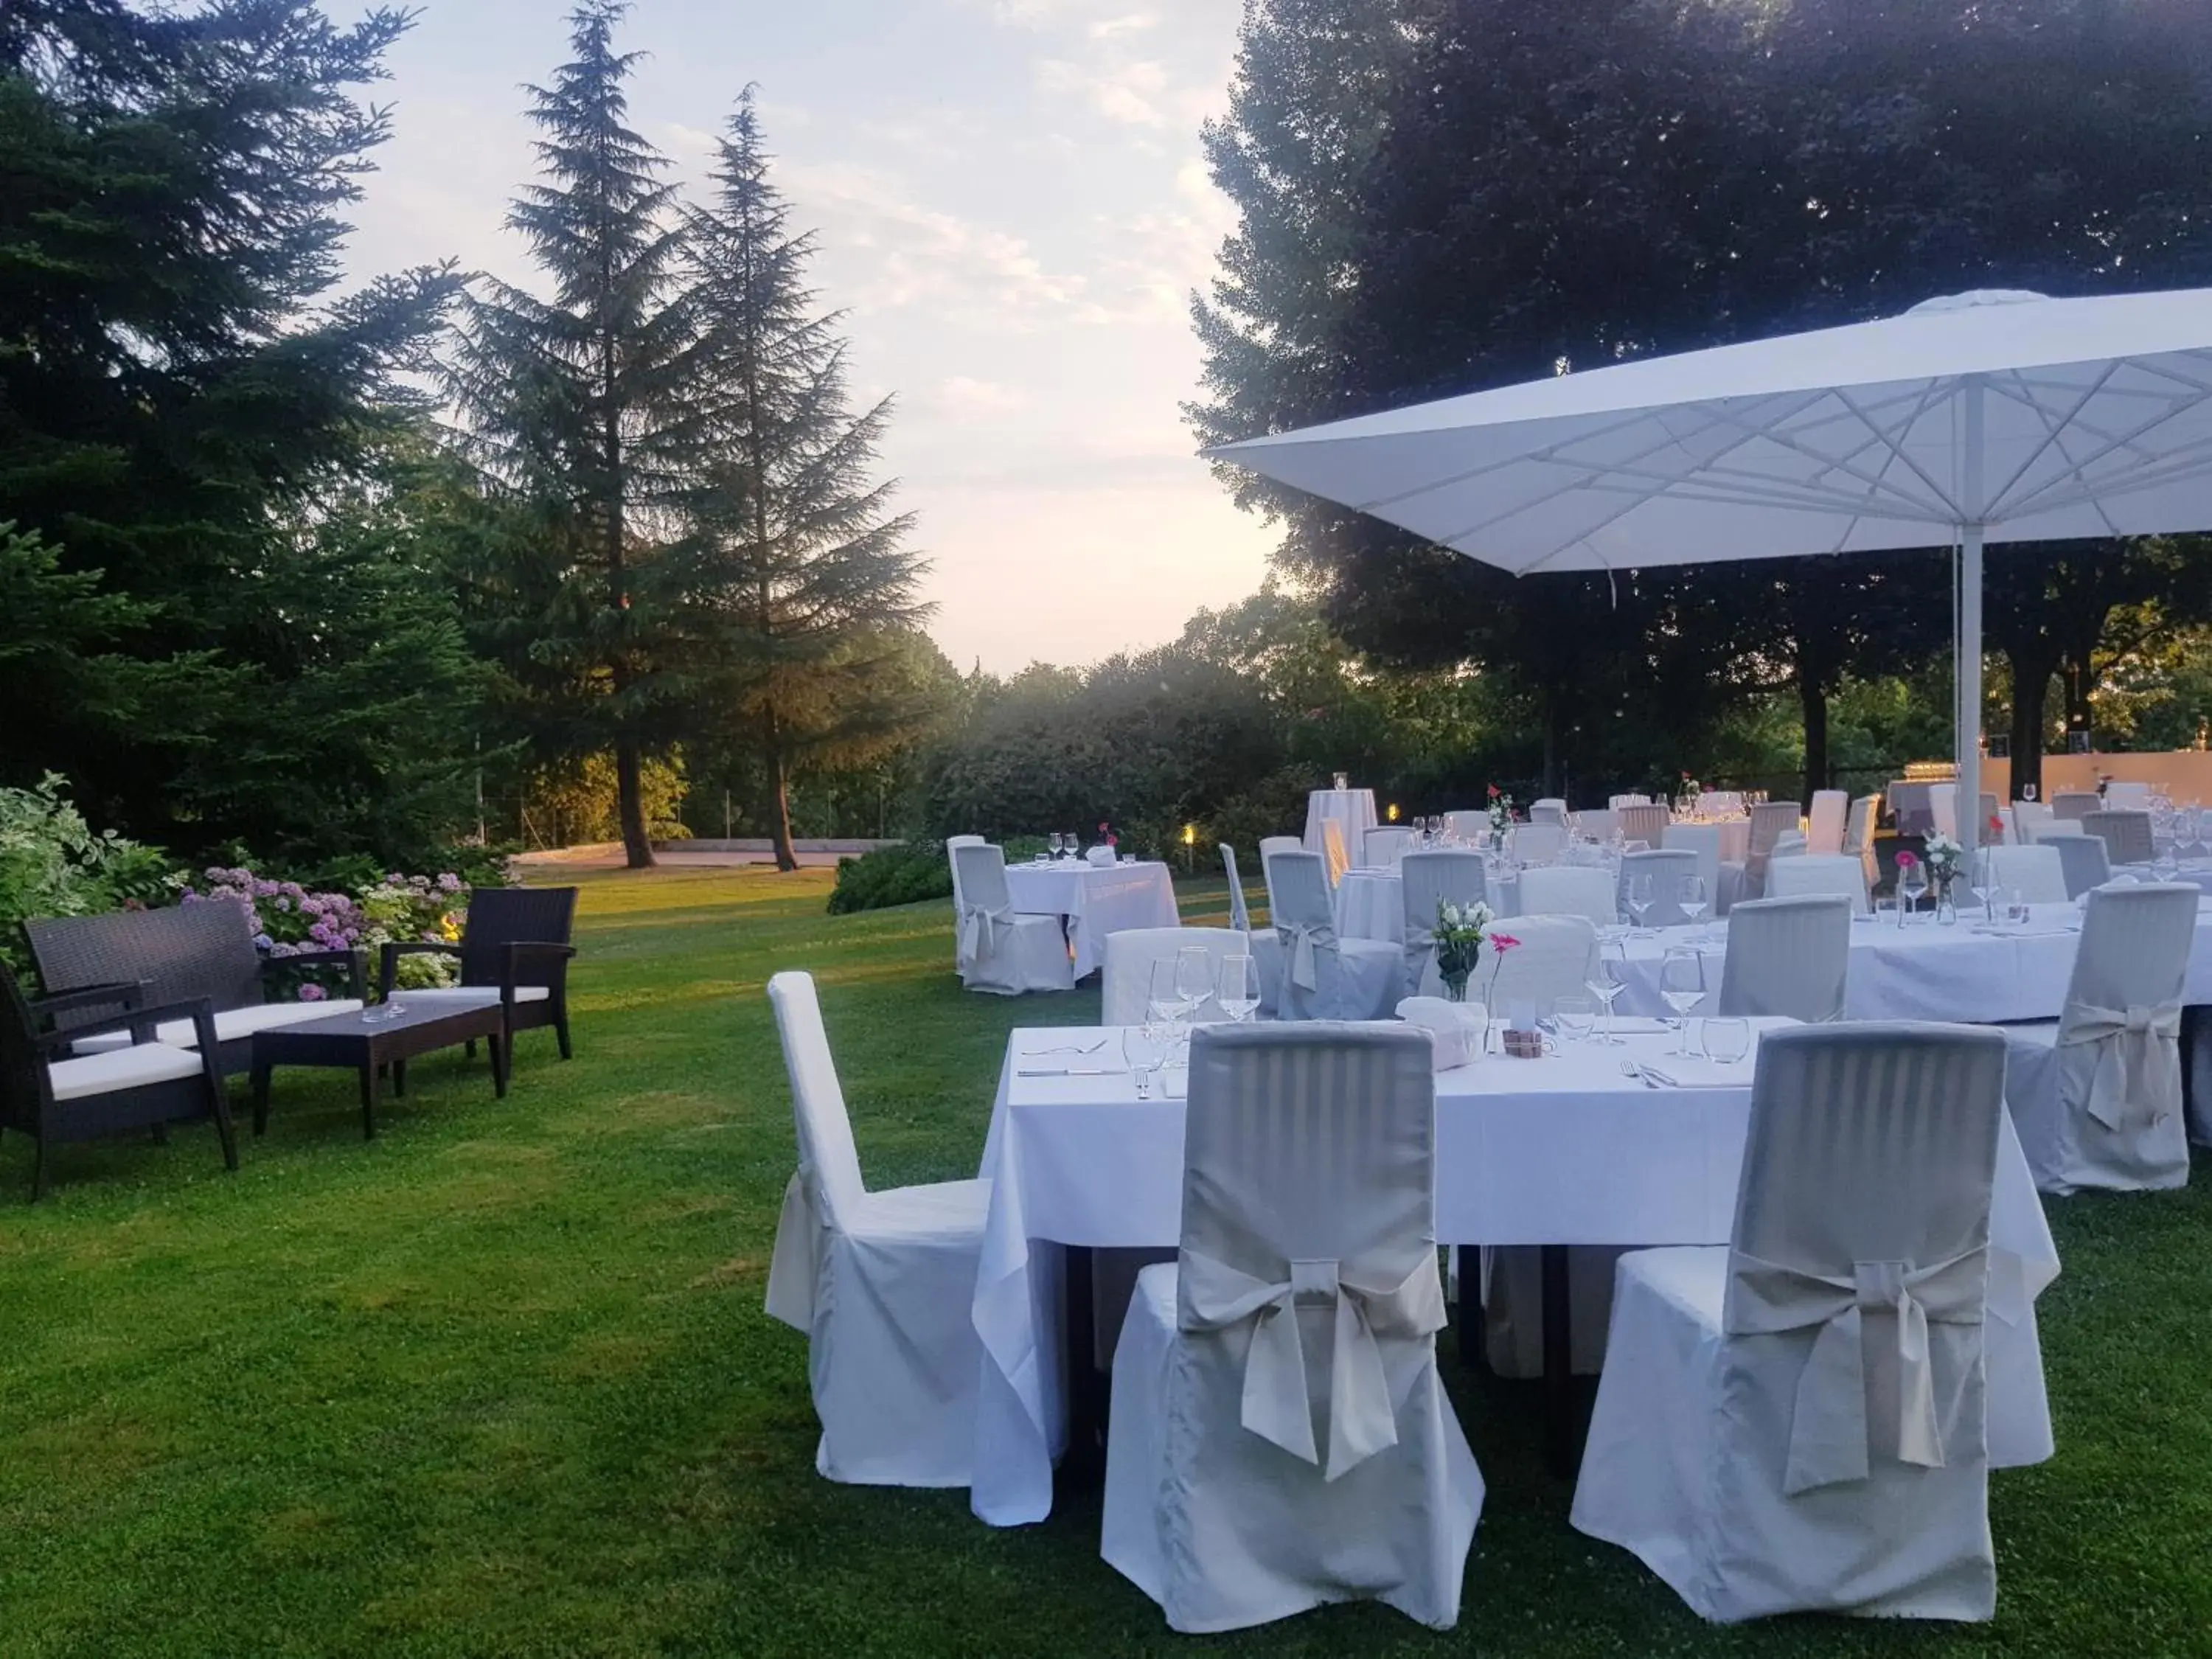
1969	664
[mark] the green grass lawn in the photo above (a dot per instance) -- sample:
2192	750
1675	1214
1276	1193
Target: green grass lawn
500	1383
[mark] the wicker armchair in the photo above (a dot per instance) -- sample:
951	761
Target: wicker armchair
53	1093
514	950
191	953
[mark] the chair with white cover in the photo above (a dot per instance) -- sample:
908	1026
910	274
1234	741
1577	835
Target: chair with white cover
1325	978
2054	830
1550	809
1427	880
2075	803
1240	912
1796	1421
1467	826
1725	880
2028	817
952	846
1125	981
1332	849
1645	822
1279	1439
1770	822
1565	889
1789	844
882	1283
1597	824
1551	957
1539	843
2120	795
1787	956
998	950
2083	859
2096	1093
1616	802
2035	873
2126	834
1271	845
1858	833
1383	846
1943	808
1666	866
1266	953
1801	877
1824	831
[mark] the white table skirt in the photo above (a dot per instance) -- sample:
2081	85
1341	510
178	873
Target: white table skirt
1963	972
1354	808
1094	901
1563	1151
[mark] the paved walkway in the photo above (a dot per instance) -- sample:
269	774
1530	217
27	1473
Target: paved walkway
608	855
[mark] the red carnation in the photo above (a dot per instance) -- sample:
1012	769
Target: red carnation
1494	792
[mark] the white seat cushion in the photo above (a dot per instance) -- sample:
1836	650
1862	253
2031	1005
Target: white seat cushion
946	1210
120	1069
471	996
230	1025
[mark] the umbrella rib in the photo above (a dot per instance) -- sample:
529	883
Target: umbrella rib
2111	444
1896	445
2053	430
1920	404
1429	487
2195	461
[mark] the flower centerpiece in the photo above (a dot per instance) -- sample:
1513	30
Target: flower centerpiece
1107	837
1690	791
1943	857
1460	929
1501	811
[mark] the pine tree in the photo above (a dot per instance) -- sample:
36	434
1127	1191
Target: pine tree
812	587
579	403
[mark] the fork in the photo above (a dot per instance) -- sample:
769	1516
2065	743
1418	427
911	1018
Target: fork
1069	1048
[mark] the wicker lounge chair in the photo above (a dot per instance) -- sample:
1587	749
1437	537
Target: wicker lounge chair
514	951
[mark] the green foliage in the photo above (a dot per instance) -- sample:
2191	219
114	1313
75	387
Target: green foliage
905	872
575	801
53	862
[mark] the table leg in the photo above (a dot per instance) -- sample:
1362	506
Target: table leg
1561	1454
1473	1333
503	1061
260	1098
1085	1464
367	1100
398	1079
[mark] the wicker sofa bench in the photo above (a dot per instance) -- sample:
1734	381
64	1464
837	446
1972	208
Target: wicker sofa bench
183	955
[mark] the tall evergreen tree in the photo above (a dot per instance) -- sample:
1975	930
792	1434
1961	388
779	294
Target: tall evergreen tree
812	586
580	403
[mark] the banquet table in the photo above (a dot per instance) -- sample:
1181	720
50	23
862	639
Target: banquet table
1371	903
1967	972
1094	900
1562	1150
1354	808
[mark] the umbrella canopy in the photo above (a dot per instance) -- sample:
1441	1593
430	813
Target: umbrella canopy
1990	416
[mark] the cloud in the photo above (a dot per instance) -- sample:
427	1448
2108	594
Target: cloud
1130	92
1113	28
962	395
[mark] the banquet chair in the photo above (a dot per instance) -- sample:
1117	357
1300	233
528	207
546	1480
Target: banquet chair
1770	822
1724	879
1645	822
2083	857
1382	847
1943	808
1858	833
2035	873
1797	1422
1570	890
1271	845
1550	809
1552	956
1788	956
1539	843
998	951
1469	827
1278	1438
2075	803
1266	953
1721	803
1598	824
1333	850
882	1284
1801	877
1240	912
1125	981
2129	797
2028	817
1789	844
1824	830
1325	978
1616	802
1426	880
2125	832
1666	866
1991	812
2096	1093
952	846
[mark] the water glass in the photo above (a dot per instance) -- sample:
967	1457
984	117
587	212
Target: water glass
1052	842
1682	987
1069	843
1576	1017
1691	896
1146	1048
1194	979
1728	1041
1639	899
1238	990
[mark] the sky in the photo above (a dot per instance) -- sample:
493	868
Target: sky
1013	213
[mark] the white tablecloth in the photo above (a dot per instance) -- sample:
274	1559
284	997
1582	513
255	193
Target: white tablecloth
1352	808
1094	901
1964	972
1562	1150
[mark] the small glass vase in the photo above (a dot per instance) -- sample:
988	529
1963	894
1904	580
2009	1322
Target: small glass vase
1946	909
1455	986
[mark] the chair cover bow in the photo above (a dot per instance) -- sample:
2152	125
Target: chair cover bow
1278	1400
1828	1420
979	930
1301	941
2128	1079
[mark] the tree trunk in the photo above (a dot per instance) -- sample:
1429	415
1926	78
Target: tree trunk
1812	702
2031	684
629	788
2079	680
779	800
1551	745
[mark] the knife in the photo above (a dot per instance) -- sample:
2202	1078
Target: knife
1074	1071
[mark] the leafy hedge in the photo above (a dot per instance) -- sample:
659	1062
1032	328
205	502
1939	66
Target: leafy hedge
907	873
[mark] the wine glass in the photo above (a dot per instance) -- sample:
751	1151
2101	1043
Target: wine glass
1690	894
1727	1040
1682	987
1146	1048
1577	1017
2027	791
1194	979
1238	990
1912	882
1069	843
1052	842
1606	984
1163	1002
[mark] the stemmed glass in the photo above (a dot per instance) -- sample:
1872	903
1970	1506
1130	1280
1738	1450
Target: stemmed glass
1912	882
1682	987
1691	896
1604	983
1052	842
1069	843
1194	979
2027	791
1164	1003
1146	1048
1639	900
1238	989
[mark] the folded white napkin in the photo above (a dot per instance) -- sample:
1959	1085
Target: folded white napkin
1101	856
1454	1039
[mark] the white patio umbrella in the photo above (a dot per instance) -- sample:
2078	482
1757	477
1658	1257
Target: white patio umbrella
1991	417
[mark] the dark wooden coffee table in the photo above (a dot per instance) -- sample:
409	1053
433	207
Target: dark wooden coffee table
368	1046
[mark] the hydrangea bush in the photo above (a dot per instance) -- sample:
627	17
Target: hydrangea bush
288	920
